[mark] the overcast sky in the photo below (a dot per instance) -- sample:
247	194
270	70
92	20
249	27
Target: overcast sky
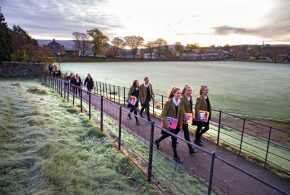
203	21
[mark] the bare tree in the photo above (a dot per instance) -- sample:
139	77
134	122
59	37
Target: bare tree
150	45
161	45
81	42
134	42
179	48
117	43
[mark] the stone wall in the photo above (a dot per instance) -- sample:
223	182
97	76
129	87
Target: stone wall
22	69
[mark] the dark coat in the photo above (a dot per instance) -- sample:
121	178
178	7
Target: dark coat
89	83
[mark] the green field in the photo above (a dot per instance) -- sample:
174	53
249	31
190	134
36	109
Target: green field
256	90
48	147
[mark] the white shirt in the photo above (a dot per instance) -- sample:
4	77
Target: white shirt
188	98
205	97
176	103
146	85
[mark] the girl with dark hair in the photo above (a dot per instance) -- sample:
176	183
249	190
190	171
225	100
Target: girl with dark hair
202	105
172	116
133	99
89	83
186	101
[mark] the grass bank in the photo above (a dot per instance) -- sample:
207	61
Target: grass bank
48	147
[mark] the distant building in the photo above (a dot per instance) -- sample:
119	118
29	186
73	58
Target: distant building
54	46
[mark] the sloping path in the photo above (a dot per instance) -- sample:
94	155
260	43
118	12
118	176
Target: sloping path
226	178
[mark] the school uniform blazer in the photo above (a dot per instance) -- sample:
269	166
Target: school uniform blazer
130	92
186	105
143	93
169	111
201	105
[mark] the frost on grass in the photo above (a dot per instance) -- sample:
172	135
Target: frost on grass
47	147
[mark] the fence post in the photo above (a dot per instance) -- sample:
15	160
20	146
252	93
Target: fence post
124	95
268	145
114	93
211	173
81	99
97	87
106	90
153	107
242	136
89	105
102	113
61	87
119	94
162	101
150	161
74	90
110	91
120	127
68	89
219	128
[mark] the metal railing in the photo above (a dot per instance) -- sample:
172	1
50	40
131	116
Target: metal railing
231	130
213	163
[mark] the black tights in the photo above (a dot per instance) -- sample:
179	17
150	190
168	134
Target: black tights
133	109
186	134
173	139
202	127
145	106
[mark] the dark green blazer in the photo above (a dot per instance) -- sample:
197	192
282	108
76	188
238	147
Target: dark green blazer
143	92
201	105
130	92
186	105
169	111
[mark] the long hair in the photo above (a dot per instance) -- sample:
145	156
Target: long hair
172	92
201	89
134	85
184	89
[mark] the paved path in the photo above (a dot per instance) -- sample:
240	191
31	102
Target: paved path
226	178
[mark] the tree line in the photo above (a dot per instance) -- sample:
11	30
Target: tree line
17	45
96	40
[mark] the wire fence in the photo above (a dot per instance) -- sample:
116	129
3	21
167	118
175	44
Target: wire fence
169	176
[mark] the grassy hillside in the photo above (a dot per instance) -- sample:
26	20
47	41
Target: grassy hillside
47	147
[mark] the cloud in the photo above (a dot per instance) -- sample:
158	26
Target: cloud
59	18
277	29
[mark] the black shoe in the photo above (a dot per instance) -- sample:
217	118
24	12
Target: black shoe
157	144
129	116
137	123
192	150
201	141
149	119
141	115
177	159
177	142
198	143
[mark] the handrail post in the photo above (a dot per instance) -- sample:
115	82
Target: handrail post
81	99
90	115
61	87
119	94
219	128
110	91
211	173
124	95
120	127
242	136
102	113
74	90
162	101
114	93
152	107
97	87
150	161
268	145
68	90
